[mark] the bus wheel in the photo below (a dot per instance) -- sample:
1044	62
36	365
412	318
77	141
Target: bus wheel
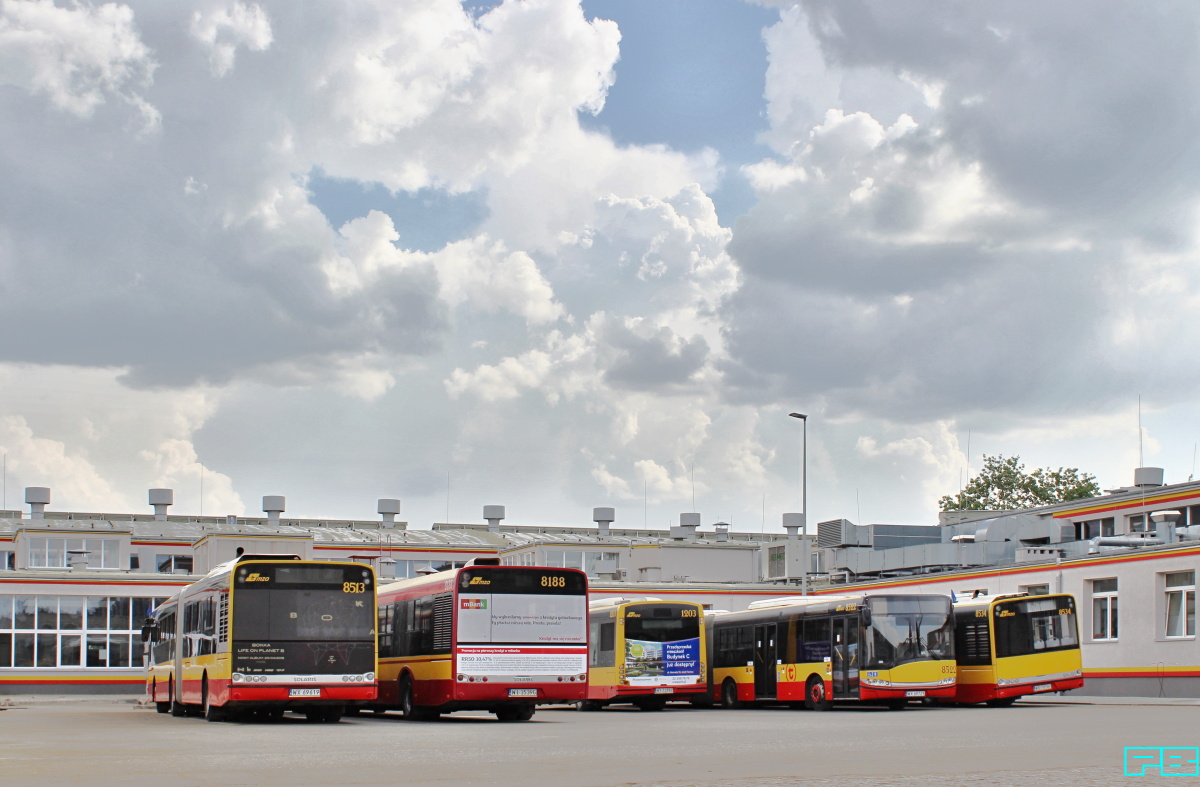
161	707
1003	702
211	712
652	703
177	708
729	697
522	712
896	704
814	695
408	708
589	705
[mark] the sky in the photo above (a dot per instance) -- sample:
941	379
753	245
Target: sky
554	256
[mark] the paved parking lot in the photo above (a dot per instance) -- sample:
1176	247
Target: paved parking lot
114	741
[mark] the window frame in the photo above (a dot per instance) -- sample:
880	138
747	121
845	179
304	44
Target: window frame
1112	627
1184	593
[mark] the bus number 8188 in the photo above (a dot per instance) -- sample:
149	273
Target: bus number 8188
554	582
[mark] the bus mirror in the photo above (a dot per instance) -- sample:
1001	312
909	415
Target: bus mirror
150	633
866	615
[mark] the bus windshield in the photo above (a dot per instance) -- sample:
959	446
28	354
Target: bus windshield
909	628
1035	625
660	624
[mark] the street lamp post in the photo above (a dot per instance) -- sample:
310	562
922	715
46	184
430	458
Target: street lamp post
803	502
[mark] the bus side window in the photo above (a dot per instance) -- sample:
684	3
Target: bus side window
816	640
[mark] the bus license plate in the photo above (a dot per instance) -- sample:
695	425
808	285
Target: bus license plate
664	690
522	692
918	693
1043	687
304	692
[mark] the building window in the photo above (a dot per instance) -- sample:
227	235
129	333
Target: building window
1092	528
50	552
8	561
1104	609
173	564
1181	604
72	631
777	561
1036	590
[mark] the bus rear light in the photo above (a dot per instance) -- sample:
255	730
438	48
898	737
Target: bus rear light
560	678
484	679
583	677
460	678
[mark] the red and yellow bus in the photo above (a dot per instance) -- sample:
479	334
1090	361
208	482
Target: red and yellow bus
1010	646
266	633
645	651
810	651
483	637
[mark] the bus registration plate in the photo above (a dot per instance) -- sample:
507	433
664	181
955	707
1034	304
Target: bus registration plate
304	692
1043	687
522	692
664	690
917	693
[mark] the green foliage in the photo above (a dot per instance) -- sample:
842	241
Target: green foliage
1003	485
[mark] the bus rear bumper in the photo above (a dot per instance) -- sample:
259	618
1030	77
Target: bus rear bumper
275	694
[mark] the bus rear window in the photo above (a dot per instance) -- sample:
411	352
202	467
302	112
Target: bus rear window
1035	625
661	624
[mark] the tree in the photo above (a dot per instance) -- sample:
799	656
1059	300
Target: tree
1003	484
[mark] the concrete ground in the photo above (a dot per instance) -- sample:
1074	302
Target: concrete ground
1053	741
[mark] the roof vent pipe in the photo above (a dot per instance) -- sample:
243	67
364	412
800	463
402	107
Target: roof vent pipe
160	499
388	508
1164	525
722	529
688	524
38	497
493	515
794	525
1148	476
273	505
603	517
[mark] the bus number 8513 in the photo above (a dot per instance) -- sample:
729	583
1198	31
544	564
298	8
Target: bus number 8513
354	587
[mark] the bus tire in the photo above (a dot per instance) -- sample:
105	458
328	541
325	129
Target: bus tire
589	705
177	708
161	707
211	712
814	695
896	704
729	694
522	712
408	708
1002	702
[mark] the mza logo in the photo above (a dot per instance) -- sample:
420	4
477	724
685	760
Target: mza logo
479	581
257	577
473	603
1162	760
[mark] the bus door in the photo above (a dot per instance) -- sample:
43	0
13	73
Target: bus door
764	661
845	657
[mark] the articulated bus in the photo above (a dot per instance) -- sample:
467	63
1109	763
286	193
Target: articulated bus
645	651
483	637
812	650
265	634
1012	645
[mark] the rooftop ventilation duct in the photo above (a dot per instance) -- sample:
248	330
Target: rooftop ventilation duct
688	525
603	517
1148	476
273	506
722	529
388	508
160	499
493	515
38	497
794	525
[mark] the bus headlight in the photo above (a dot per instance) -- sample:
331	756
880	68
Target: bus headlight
238	677
878	682
370	676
